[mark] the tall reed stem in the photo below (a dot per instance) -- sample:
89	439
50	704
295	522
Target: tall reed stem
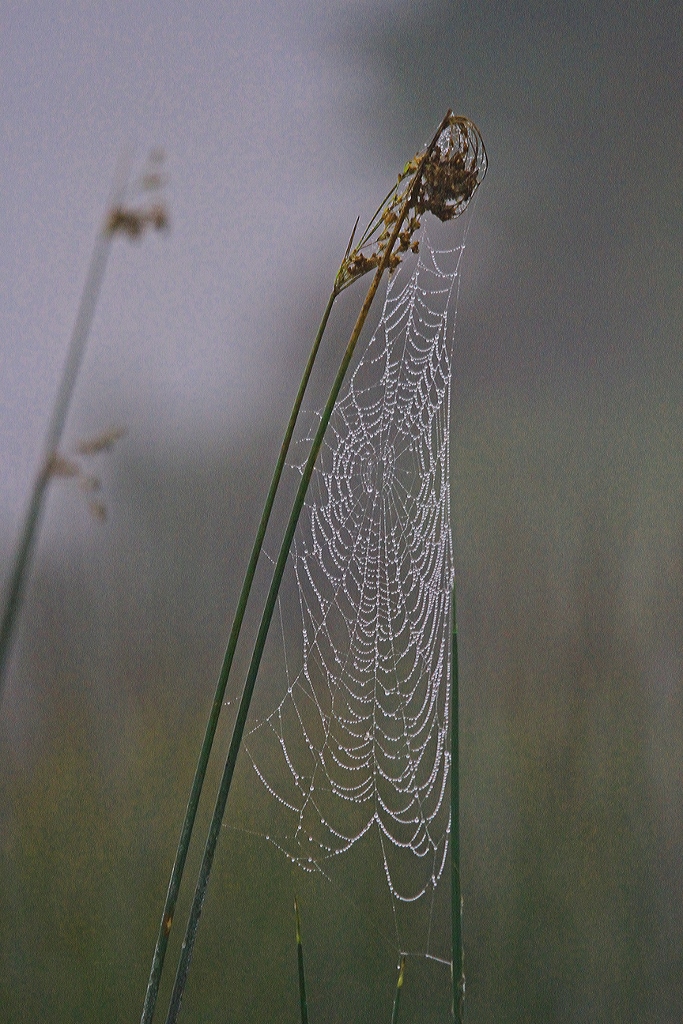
238	731
79	338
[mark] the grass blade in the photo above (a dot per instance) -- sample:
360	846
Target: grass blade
300	963
399	986
458	965
207	743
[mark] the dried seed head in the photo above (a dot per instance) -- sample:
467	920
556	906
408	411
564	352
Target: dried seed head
454	171
60	466
157	216
152	181
152	177
132	222
128	222
449	177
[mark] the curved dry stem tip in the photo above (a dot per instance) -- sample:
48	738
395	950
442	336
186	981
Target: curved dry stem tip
353	235
369	252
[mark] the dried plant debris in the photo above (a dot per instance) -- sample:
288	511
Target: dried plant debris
101	442
61	466
449	177
89	484
98	511
152	178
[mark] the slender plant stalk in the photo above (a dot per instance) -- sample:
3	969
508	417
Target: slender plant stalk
200	772
79	338
399	986
303	1002
458	968
240	722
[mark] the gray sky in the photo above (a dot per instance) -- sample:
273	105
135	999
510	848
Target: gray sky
252	105
283	121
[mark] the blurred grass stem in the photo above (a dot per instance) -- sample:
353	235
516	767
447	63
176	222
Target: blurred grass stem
79	338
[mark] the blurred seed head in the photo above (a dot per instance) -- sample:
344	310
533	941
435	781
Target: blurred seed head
61	466
133	221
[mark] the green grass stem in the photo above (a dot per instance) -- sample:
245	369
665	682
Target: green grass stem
399	986
458	968
200	772
245	701
79	338
303	1002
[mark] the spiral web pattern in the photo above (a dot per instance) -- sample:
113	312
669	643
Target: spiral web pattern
360	739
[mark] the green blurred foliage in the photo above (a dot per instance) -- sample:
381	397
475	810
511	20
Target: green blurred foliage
571	614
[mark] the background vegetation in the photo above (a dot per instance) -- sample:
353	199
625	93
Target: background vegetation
572	725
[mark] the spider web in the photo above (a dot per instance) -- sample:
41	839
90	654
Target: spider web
359	742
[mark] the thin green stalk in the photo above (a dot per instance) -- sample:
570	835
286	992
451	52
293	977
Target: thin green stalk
456	891
79	337
399	986
200	772
300	963
245	701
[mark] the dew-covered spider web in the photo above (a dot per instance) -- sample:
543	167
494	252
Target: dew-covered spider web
355	751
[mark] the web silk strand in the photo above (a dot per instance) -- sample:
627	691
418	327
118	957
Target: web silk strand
359	741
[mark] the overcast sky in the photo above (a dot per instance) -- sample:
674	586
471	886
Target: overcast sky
281	122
